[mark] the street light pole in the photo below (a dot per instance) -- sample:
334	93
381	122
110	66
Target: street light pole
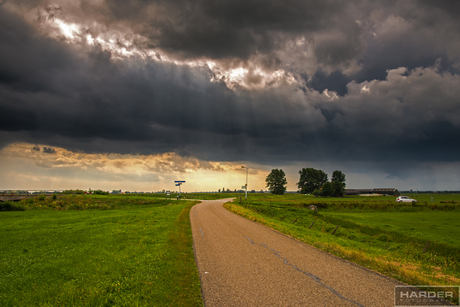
246	189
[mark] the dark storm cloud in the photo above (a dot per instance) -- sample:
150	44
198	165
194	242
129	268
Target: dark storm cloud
411	34
49	150
224	29
79	98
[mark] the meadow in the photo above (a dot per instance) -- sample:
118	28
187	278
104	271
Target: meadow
137	250
375	232
98	251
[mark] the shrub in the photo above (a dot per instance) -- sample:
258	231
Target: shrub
9	206
317	193
100	192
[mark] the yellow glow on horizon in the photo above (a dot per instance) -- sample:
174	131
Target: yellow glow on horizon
65	169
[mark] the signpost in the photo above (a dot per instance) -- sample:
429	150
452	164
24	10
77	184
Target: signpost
246	185
178	184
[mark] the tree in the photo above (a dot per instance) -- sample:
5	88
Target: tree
310	180
276	181
334	188
326	189
338	183
338	176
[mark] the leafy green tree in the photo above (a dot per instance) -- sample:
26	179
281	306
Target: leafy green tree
327	189
334	188
338	183
276	181
310	180
338	188
338	176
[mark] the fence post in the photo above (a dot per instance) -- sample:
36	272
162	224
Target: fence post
335	229
426	247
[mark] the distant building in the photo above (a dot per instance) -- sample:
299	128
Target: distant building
381	191
386	191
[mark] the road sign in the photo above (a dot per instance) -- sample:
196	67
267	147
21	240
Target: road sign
181	181
177	184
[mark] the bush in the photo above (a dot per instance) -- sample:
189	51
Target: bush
9	206
317	193
100	192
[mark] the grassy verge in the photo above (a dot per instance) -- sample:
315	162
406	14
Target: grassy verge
206	196
373	232
138	254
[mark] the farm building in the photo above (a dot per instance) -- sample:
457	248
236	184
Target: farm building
382	191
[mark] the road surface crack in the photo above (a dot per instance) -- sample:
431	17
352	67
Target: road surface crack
312	276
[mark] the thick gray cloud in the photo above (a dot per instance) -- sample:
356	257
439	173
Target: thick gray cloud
366	82
224	29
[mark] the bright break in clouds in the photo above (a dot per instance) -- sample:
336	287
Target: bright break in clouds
368	87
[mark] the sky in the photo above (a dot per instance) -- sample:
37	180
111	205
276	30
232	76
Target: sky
132	95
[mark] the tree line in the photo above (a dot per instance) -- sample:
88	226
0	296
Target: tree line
312	181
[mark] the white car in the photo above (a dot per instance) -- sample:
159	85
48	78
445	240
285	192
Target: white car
405	199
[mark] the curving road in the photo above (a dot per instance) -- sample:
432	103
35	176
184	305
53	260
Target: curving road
242	263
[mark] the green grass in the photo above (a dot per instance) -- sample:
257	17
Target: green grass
375	232
138	254
436	226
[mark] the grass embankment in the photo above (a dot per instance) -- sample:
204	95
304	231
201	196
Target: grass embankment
138	254
375	232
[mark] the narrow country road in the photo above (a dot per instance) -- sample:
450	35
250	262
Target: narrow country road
242	263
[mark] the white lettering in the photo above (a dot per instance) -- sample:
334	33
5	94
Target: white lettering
404	294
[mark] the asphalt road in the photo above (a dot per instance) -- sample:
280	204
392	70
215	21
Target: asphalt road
242	263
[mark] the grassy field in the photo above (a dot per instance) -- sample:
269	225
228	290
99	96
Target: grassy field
375	232
137	250
98	251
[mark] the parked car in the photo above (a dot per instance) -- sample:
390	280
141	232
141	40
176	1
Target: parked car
405	199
